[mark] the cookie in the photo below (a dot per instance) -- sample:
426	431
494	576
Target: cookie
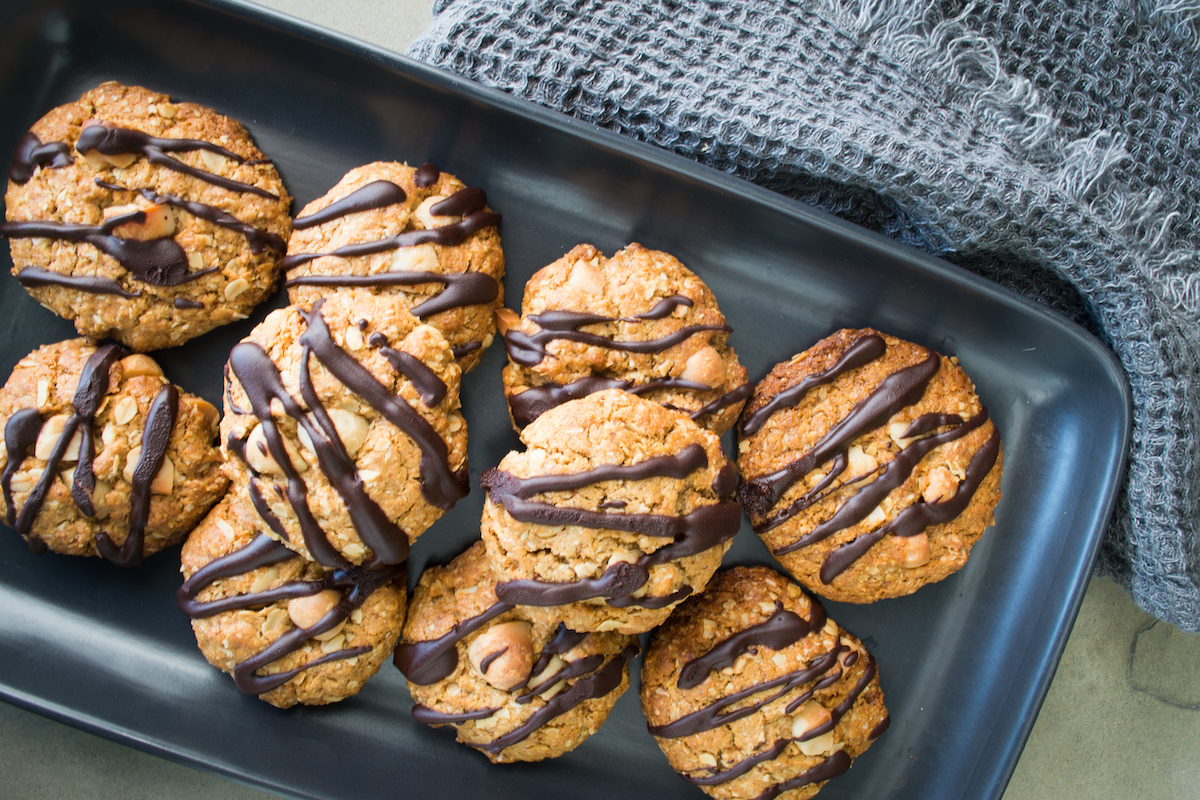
286	629
871	468
616	511
514	687
753	693
419	236
144	220
102	455
639	321
342	428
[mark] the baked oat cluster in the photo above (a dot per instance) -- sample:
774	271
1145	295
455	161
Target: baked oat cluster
870	466
639	321
144	220
102	455
417	235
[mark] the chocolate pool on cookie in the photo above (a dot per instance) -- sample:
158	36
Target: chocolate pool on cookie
144	220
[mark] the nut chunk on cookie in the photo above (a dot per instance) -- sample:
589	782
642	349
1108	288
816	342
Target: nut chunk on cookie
617	511
515	688
343	430
145	220
102	455
417	235
286	629
639	321
871	466
753	693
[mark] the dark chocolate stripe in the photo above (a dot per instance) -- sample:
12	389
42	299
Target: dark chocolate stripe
20	433
835	765
92	386
123	141
462	288
715	715
156	437
441	487
257	239
898	390
356	584
711	778
864	351
573	669
730	398
598	684
447	235
860	505
429	386
651	602
430	661
185	303
528	349
679	466
620	580
564	639
376	194
533	402
31	153
919	516
663	308
461	203
783	629
429	716
462	349
92	284
489	658
260	552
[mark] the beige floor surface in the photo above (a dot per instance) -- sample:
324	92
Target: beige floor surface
1114	726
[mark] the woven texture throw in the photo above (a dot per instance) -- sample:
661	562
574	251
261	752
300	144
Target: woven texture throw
1052	147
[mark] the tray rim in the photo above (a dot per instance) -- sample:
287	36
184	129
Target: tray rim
824	222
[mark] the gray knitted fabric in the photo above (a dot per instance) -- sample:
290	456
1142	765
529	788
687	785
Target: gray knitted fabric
1053	147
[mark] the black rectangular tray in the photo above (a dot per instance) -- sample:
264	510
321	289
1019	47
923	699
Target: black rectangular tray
964	663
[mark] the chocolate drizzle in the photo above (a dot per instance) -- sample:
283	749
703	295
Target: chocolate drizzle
715	715
430	661
900	389
919	516
185	303
462	288
864	351
92	284
597	684
126	141
429	716
21	432
376	194
256	238
835	765
692	533
356	584
783	629
528	349
429	386
156	436
262	383
532	403
159	262
31	154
